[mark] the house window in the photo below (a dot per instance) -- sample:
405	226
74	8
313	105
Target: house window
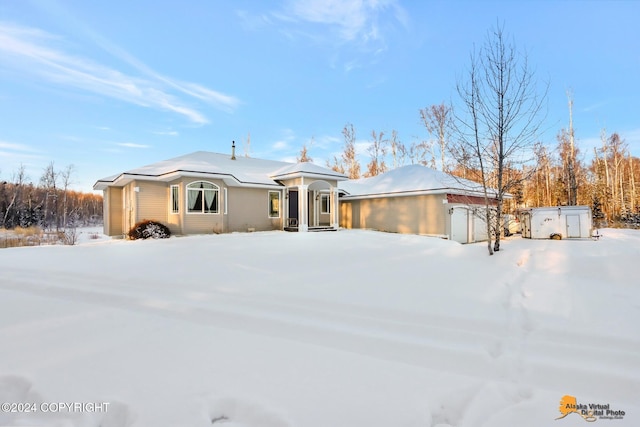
175	200
325	204
274	204
202	197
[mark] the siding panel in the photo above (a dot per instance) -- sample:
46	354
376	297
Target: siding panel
113	203
249	208
409	215
152	201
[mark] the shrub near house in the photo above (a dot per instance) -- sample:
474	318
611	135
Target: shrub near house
149	229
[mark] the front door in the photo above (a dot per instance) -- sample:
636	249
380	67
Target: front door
293	207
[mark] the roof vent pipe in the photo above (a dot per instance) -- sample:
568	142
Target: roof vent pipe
233	150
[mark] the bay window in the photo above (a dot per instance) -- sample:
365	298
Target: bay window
202	197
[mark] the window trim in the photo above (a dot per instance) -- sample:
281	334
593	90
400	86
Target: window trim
269	205
322	197
224	192
174	200
216	189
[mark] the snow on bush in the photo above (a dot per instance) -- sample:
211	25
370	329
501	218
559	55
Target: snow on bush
149	229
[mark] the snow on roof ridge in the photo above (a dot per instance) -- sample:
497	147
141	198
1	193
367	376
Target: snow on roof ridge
247	170
409	178
306	167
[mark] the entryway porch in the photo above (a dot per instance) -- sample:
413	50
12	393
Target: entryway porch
312	207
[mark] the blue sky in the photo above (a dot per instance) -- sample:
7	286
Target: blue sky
113	85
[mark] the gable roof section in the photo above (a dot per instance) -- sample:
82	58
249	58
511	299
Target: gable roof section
243	171
409	180
307	169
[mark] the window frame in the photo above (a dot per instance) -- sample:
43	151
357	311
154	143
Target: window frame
174	199
216	190
270	204
324	196
224	201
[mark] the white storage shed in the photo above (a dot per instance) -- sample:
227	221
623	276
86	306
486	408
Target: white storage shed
566	222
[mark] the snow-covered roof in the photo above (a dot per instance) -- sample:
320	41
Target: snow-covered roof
409	180
246	171
306	169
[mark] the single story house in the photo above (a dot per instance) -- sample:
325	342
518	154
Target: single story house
205	192
416	199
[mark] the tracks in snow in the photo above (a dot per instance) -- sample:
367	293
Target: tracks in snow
515	350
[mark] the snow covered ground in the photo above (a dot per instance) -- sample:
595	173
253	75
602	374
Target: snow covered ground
349	328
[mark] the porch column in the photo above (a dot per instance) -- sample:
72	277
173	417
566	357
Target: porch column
335	209
303	208
285	207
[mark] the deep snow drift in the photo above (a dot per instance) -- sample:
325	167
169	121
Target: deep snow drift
350	328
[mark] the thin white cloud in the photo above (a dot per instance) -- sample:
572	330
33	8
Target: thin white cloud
289	159
215	98
14	153
222	101
32	51
132	145
350	17
633	138
16	147
362	147
594	107
280	145
288	136
252	22
351	20
167	133
324	141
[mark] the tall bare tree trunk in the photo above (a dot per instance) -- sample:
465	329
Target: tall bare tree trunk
605	155
573	184
632	184
503	117
438	121
66	181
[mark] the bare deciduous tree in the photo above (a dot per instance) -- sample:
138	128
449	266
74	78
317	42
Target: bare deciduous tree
377	151
19	179
438	121
420	153
500	120
65	177
49	182
569	153
398	150
304	153
349	155
336	165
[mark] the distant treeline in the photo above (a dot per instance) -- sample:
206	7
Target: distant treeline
554	174
49	204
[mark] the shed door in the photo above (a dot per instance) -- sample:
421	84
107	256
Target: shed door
525	223
573	226
459	225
